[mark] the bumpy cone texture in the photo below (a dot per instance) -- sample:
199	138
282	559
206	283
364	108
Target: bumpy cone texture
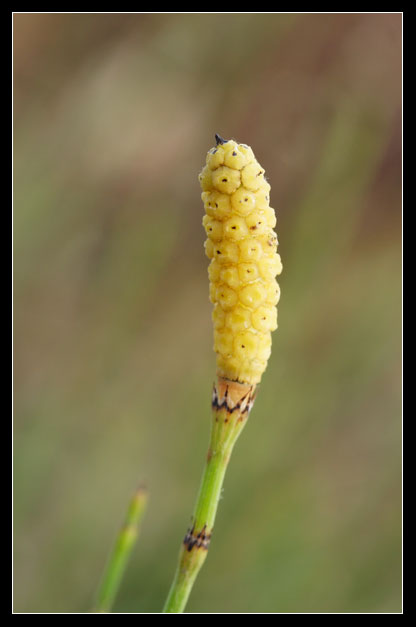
242	246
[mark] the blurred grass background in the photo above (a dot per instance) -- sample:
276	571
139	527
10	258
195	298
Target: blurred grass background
113	359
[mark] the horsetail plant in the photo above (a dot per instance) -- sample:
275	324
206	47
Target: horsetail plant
242	246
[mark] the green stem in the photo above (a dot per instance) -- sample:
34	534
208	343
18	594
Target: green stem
226	427
121	552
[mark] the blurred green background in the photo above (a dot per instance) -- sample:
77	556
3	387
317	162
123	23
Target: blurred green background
113	359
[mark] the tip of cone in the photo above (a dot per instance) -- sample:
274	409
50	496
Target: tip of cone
219	139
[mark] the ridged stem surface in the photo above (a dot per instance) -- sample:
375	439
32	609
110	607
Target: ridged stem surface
231	406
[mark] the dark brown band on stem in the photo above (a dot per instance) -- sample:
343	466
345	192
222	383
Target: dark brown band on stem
233	396
200	540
